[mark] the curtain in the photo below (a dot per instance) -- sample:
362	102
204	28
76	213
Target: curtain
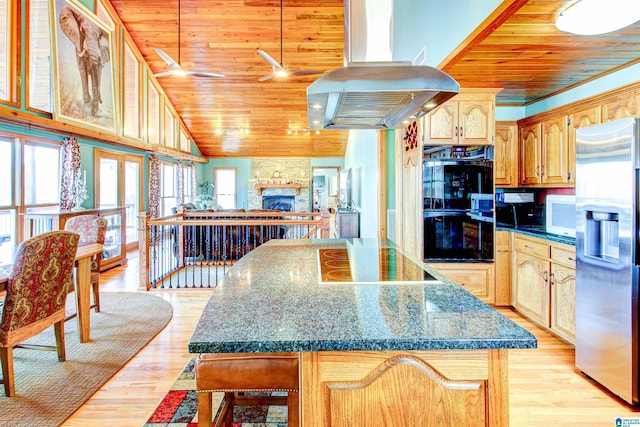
70	180
179	182
194	183
154	186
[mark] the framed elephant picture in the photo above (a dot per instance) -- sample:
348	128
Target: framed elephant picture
83	67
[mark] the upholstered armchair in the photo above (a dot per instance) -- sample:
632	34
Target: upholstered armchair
92	229
36	296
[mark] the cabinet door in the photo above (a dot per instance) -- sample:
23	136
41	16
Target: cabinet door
620	107
530	154
531	287
411	227
563	301
505	165
553	167
442	124
503	268
478	279
580	119
476	122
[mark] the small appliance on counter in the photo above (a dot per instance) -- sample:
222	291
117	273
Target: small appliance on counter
561	215
519	210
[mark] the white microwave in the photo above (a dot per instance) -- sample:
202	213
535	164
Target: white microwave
561	215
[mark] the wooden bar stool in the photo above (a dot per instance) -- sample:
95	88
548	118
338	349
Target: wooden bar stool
246	372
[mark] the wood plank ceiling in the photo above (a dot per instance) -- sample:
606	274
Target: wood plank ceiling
517	48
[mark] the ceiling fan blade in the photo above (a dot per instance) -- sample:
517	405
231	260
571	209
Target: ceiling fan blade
166	58
269	59
163	74
264	78
305	72
205	74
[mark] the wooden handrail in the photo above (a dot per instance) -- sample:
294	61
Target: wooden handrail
316	221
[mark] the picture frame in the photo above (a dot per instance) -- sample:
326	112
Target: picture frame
84	89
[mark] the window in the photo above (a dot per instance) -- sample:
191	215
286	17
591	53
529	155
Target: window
131	87
7	52
169	134
187	176
41	164
39	45
185	144
168	196
7	212
225	185
153	114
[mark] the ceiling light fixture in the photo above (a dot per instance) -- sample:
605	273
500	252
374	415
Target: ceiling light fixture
591	17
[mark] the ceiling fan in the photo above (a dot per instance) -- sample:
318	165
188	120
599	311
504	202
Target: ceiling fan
175	68
279	70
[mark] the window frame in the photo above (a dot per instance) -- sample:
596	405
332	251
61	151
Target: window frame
12	49
130	52
46	30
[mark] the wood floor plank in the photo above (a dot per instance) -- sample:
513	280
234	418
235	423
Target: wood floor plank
544	386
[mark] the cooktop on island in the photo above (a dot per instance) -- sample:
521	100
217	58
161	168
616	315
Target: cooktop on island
362	264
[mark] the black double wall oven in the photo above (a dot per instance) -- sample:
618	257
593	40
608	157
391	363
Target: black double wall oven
458	204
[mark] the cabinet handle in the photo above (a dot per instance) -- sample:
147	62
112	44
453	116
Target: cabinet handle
461	131
537	170
571	258
456	131
528	247
502	250
545	276
542	170
551	279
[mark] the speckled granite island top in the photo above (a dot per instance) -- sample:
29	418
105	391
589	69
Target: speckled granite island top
272	300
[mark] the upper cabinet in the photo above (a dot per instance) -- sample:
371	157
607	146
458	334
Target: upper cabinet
544	153
505	167
620	107
466	119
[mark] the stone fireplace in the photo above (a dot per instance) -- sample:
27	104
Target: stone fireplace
285	179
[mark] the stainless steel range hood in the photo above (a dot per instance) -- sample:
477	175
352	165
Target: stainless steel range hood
376	95
373	95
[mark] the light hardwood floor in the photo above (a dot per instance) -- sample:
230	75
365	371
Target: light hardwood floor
544	387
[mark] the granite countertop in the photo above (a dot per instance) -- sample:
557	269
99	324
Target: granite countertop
272	300
539	232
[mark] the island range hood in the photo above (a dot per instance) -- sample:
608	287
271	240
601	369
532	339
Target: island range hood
373	95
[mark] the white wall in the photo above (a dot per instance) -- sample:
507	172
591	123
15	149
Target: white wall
362	158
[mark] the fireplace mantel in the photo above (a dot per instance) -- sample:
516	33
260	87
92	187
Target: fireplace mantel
261	187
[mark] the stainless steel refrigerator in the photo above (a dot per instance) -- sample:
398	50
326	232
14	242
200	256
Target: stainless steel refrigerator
607	210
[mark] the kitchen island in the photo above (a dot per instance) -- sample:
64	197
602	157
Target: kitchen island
392	346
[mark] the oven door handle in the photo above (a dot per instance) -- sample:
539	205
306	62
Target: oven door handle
434	214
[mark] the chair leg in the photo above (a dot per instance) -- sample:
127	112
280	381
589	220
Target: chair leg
59	331
6	356
205	403
292	409
96	296
229	397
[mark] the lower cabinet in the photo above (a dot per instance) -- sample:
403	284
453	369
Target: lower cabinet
476	278
503	268
543	283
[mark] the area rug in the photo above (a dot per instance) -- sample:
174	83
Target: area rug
48	391
179	408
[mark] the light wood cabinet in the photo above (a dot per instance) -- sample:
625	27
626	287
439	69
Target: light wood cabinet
477	278
466	119
502	263
563	291
579	119
505	165
620	107
545	158
409	222
555	151
529	154
543	280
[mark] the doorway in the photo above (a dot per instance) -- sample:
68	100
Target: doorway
325	187
118	182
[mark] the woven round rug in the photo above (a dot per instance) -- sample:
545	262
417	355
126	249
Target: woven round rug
48	391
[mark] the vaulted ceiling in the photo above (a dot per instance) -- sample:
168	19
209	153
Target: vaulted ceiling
517	48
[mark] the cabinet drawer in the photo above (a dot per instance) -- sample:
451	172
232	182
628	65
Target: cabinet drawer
565	256
534	247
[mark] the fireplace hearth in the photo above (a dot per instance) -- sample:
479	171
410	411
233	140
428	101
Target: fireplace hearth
282	203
